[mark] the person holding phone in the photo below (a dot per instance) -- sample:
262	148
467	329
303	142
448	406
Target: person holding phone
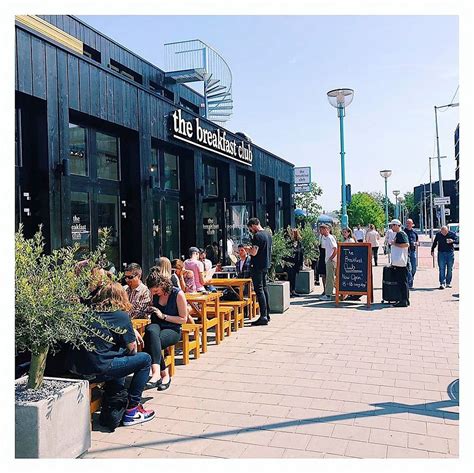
445	241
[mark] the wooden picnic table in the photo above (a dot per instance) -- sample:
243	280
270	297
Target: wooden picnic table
203	304
239	283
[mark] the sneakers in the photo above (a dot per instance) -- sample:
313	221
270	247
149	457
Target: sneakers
448	285
260	321
325	298
441	286
137	415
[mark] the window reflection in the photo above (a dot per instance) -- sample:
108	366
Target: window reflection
81	222
77	150
107	156
171	171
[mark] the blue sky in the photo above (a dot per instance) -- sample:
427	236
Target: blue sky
282	66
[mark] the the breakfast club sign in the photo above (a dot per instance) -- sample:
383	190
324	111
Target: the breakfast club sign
216	141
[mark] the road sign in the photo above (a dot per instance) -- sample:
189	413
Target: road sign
303	175
447	211
442	200
302	188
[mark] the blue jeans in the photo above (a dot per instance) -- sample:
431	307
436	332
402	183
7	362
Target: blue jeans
445	264
138	364
413	262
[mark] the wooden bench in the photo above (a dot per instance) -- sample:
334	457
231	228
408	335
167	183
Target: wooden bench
95	397
190	345
226	319
239	311
255	306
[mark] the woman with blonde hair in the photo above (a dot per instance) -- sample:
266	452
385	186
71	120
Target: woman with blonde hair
115	355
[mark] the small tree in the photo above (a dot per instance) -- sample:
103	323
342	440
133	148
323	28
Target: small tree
280	251
309	243
48	308
365	209
308	201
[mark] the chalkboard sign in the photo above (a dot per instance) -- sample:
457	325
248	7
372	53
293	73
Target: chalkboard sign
354	270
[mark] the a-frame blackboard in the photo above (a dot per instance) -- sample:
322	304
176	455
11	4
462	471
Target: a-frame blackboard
354	271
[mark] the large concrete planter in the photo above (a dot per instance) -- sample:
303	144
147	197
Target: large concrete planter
305	281
279	294
58	427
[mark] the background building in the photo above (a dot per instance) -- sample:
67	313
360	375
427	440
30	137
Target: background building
105	139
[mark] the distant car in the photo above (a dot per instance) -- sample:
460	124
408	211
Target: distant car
454	227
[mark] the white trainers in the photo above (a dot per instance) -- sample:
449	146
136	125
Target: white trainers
325	298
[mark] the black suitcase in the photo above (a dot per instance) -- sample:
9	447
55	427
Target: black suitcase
390	287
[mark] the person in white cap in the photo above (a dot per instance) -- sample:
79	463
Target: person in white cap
400	246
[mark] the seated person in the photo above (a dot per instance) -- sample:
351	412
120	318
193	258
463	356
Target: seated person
195	265
207	267
182	278
242	266
115	355
138	294
168	313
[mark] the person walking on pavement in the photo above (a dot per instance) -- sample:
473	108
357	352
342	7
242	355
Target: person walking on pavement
261	253
445	241
359	234
389	236
400	261
372	237
413	241
330	247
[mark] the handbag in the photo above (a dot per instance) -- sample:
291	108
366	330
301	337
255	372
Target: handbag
229	294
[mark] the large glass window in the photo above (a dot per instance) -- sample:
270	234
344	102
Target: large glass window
107	216
107	156
171	171
171	230
155	169
241	188
81	220
77	150
210	181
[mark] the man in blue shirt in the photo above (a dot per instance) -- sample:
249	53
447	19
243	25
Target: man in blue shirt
413	241
445	240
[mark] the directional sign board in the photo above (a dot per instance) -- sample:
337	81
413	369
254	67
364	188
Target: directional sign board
302	188
302	175
442	200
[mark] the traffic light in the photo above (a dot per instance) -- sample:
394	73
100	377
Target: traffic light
348	194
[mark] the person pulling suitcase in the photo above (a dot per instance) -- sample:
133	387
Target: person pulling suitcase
399	268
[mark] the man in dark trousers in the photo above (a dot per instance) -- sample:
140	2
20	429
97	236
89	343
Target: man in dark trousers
400	246
261	253
413	242
445	240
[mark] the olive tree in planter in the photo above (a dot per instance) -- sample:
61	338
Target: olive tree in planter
279	291
309	243
51	414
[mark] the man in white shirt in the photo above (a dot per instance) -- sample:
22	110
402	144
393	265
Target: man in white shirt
389	237
330	245
359	234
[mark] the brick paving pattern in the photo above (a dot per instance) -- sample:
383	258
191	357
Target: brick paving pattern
318	382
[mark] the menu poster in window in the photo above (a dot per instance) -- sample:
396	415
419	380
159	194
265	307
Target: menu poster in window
354	270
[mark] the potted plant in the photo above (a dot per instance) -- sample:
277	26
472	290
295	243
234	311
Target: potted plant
51	414
279	291
309	243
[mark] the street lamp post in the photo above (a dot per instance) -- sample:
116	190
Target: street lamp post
431	195
386	173
441	191
401	210
395	193
340	99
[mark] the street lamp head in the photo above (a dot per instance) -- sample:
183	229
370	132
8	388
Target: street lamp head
401	199
386	173
395	193
340	98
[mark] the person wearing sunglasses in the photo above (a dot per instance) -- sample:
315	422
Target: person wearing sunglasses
138	294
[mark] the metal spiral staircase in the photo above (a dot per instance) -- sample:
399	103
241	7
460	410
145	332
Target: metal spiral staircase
195	61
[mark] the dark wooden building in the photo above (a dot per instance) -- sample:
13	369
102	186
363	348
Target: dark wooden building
104	140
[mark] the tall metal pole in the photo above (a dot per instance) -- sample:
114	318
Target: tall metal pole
344	217
431	206
386	205
441	191
424	207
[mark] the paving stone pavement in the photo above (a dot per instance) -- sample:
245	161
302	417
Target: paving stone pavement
317	382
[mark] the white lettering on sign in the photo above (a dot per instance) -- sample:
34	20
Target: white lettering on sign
192	132
353	275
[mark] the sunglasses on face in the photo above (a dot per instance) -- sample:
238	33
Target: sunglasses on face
130	276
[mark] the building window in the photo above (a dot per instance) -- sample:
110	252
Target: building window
77	150
125	71
241	188
210	181
108	217
81	221
18	140
171	177
189	106
171	230
154	166
107	156
161	90
91	53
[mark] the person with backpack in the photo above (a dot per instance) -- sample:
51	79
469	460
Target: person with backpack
114	358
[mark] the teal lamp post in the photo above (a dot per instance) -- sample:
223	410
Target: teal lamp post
340	99
386	173
396	193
